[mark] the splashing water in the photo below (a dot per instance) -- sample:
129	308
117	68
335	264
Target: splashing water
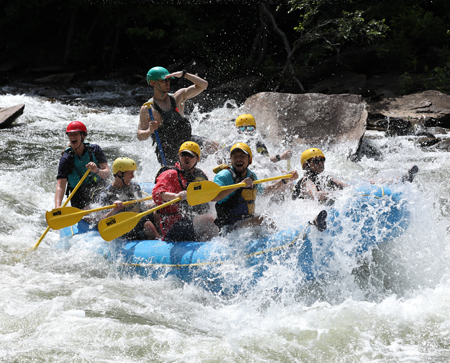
72	305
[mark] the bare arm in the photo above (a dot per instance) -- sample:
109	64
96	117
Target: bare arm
60	190
146	126
280	186
284	156
102	170
310	191
183	94
227	192
167	196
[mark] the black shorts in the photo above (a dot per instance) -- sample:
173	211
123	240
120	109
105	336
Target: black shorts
183	230
137	233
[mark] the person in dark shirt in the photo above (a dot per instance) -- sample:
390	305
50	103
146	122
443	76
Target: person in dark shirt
315	185
75	161
122	190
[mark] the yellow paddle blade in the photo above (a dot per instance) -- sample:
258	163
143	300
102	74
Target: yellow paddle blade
64	217
67	216
119	224
205	191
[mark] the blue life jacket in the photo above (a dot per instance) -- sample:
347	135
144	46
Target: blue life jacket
79	167
240	206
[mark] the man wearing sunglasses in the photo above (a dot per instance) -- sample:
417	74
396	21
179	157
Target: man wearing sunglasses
316	186
168	112
236	207
180	221
313	185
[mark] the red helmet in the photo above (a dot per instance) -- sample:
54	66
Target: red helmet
76	126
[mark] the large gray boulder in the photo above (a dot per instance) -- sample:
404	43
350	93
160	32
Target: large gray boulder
8	115
310	120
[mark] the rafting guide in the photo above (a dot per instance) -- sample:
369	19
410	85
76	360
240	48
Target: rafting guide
75	161
162	118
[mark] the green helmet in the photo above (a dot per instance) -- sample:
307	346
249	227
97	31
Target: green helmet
157	73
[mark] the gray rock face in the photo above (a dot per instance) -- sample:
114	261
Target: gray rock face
310	120
8	115
428	105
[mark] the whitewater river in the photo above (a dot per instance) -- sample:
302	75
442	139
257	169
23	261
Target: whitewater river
73	306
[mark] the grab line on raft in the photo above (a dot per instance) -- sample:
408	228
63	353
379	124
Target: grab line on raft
199	264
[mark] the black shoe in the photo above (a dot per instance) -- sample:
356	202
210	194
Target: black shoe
320	222
411	174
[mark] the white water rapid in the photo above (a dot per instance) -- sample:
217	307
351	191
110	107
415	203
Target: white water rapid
74	306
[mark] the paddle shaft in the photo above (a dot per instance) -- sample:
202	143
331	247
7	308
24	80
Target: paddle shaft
206	191
113	227
55	219
255	182
65	203
158	141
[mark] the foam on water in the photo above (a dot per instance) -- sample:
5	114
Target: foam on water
392	304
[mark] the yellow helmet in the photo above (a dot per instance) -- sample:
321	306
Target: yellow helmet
191	147
245	120
123	165
245	148
309	154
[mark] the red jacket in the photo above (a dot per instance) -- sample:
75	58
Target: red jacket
174	181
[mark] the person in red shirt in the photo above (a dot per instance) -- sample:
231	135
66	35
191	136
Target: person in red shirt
180	221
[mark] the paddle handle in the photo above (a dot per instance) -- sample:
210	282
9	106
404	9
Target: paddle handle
158	141
76	187
84	212
240	185
269	179
65	203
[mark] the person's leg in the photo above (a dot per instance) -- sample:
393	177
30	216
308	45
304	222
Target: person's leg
321	221
409	176
204	227
257	221
150	231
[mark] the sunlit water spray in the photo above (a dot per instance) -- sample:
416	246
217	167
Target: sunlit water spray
391	304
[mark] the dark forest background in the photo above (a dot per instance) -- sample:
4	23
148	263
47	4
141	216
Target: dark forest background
286	47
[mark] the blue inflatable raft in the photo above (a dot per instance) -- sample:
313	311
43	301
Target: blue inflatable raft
373	216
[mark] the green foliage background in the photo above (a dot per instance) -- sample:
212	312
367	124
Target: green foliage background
229	39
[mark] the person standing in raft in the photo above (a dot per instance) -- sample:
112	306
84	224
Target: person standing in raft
316	186
168	112
236	207
180	221
122	190
74	162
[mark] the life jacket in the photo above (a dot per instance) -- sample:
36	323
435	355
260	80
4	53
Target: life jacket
240	206
322	183
183	206
79	167
175	130
127	193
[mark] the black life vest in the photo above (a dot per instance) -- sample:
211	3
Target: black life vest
175	130
240	206
322	183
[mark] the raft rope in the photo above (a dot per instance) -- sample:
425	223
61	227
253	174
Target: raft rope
199	264
382	194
